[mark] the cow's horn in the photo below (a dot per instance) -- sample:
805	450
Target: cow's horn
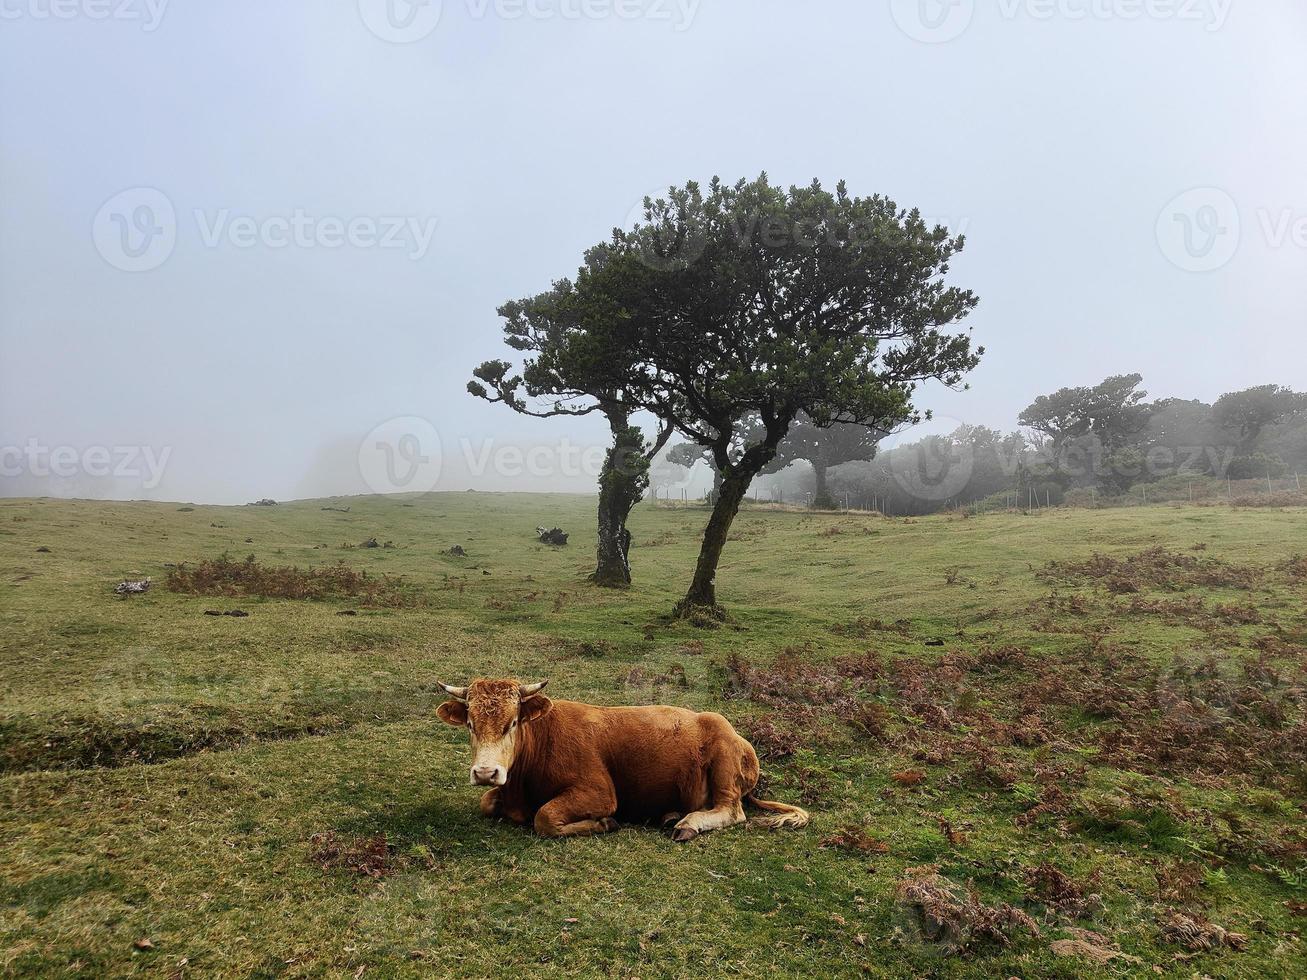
457	693
530	690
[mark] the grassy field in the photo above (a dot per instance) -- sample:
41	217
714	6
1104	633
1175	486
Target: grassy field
1062	757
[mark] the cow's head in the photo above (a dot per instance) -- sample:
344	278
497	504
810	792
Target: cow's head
493	712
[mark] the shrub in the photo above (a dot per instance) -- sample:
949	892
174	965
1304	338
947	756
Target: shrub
223	576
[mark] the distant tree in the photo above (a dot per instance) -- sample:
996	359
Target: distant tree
1114	411
1062	416
689	454
775	303
1251	411
1256	466
823	448
577	363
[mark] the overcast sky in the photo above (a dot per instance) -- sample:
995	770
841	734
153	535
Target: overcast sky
237	238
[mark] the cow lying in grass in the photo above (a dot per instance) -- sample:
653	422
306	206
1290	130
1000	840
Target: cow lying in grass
572	769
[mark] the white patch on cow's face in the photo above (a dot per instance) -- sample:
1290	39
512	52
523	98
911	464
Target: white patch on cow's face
492	757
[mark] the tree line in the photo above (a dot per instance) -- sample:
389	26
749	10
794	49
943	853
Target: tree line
1096	442
748	320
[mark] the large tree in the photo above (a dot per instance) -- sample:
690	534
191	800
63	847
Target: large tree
823	447
1251	411
1114	411
577	363
774	303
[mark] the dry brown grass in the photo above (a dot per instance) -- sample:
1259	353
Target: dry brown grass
954	918
1155	568
224	576
368	857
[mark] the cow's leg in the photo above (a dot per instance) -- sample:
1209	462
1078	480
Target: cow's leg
494	807
701	821
727	776
578	812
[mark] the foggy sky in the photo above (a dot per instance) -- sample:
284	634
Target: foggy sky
253	359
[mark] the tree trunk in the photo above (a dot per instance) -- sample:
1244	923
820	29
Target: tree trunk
821	500
703	593
621	484
613	569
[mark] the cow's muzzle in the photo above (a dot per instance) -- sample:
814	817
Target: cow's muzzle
489	776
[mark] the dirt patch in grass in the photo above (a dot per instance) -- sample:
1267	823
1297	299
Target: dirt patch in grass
368	857
225	576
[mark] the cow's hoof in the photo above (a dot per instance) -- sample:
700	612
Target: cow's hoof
670	819
684	834
609	825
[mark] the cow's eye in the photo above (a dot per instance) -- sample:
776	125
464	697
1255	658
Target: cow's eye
514	724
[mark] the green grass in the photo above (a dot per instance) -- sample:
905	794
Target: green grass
162	772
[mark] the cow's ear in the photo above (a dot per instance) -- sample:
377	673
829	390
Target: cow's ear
452	713
534	707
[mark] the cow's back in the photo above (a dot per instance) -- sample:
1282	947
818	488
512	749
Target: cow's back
654	755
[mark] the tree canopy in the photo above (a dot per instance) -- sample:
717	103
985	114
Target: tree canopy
1114	411
1252	410
770	304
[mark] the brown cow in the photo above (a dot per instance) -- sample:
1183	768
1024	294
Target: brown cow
573	768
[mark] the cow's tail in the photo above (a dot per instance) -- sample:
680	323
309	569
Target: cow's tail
779	814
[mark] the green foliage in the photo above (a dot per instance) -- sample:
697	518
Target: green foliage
1252	410
1114	411
1257	465
765	303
